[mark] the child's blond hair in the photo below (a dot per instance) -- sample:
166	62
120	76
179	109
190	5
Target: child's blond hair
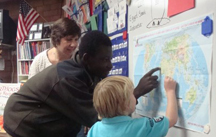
112	96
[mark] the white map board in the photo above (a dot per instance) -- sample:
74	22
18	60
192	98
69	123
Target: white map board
140	19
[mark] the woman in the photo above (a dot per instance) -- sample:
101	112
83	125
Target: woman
65	34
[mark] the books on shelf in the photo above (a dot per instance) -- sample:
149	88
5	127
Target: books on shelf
24	67
30	49
26	53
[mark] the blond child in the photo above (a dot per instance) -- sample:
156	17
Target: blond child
114	101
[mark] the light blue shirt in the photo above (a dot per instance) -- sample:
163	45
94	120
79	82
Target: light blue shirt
125	126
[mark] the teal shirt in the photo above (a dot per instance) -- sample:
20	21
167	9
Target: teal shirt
125	126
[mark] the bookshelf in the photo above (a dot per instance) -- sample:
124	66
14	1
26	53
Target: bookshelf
26	54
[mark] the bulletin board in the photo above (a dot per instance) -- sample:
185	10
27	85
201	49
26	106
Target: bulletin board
168	34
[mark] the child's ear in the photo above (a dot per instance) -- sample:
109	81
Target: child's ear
127	106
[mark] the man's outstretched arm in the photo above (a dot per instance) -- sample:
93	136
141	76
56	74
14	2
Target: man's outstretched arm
147	83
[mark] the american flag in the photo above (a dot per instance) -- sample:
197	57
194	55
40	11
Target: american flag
27	17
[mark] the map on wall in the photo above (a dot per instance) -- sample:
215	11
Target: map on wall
184	54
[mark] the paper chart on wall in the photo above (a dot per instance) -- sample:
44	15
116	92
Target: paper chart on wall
184	54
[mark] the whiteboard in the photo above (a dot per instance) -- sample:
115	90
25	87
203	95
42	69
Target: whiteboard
140	16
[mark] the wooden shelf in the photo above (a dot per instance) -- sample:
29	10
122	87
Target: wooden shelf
25	60
23	75
3	134
6	46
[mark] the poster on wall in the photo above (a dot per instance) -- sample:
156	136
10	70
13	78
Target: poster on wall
120	56
184	54
6	89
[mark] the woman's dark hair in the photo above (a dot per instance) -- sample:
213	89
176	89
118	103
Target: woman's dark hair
64	27
91	41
